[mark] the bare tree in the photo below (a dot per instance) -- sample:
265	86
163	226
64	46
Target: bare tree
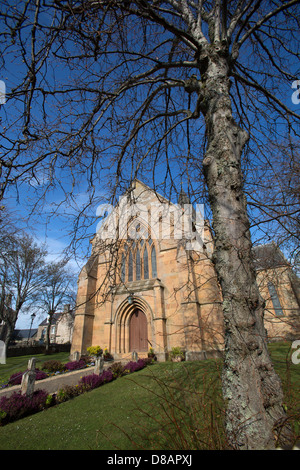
56	291
21	275
171	90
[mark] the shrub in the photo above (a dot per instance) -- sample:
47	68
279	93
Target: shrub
17	406
50	400
89	382
67	392
86	359
74	365
94	351
134	366
107	376
117	369
53	366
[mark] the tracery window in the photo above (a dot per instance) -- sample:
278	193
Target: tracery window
138	261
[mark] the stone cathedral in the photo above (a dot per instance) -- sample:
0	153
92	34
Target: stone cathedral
150	283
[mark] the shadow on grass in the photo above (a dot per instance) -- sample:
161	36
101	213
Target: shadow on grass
182	409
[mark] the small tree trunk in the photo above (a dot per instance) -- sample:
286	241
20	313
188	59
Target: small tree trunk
10	326
8	334
47	349
251	388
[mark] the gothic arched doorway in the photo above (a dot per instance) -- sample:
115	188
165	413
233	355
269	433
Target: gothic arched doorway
138	331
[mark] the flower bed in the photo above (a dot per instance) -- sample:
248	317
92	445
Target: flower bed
18	406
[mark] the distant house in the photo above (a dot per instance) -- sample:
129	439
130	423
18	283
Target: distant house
61	329
20	336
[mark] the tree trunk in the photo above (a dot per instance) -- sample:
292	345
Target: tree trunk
47	349
251	388
8	334
10	323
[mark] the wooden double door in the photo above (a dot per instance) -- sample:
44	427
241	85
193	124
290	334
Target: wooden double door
138	331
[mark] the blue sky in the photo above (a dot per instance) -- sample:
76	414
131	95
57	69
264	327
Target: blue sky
53	221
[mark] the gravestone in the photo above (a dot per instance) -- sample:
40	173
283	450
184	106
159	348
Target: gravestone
75	356
135	356
99	363
2	353
28	378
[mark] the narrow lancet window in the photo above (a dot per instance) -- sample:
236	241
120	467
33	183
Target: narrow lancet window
123	269
146	265
153	262
275	300
138	265
130	267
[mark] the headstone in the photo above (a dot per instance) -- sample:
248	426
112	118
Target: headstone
99	363
135	356
31	364
2	352
75	356
28	378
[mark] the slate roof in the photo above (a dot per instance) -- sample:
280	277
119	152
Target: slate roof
19	335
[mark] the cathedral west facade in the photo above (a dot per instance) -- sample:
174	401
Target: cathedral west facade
150	283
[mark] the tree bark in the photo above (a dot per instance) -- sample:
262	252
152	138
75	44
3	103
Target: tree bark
251	388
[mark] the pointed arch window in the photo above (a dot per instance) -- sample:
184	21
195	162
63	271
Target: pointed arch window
275	300
153	262
130	267
123	269
138	265
138	261
146	264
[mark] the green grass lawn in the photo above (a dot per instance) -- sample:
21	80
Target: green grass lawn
165	406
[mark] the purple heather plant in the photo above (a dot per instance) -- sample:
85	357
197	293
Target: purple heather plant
134	366
107	376
74	365
17	406
89	382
